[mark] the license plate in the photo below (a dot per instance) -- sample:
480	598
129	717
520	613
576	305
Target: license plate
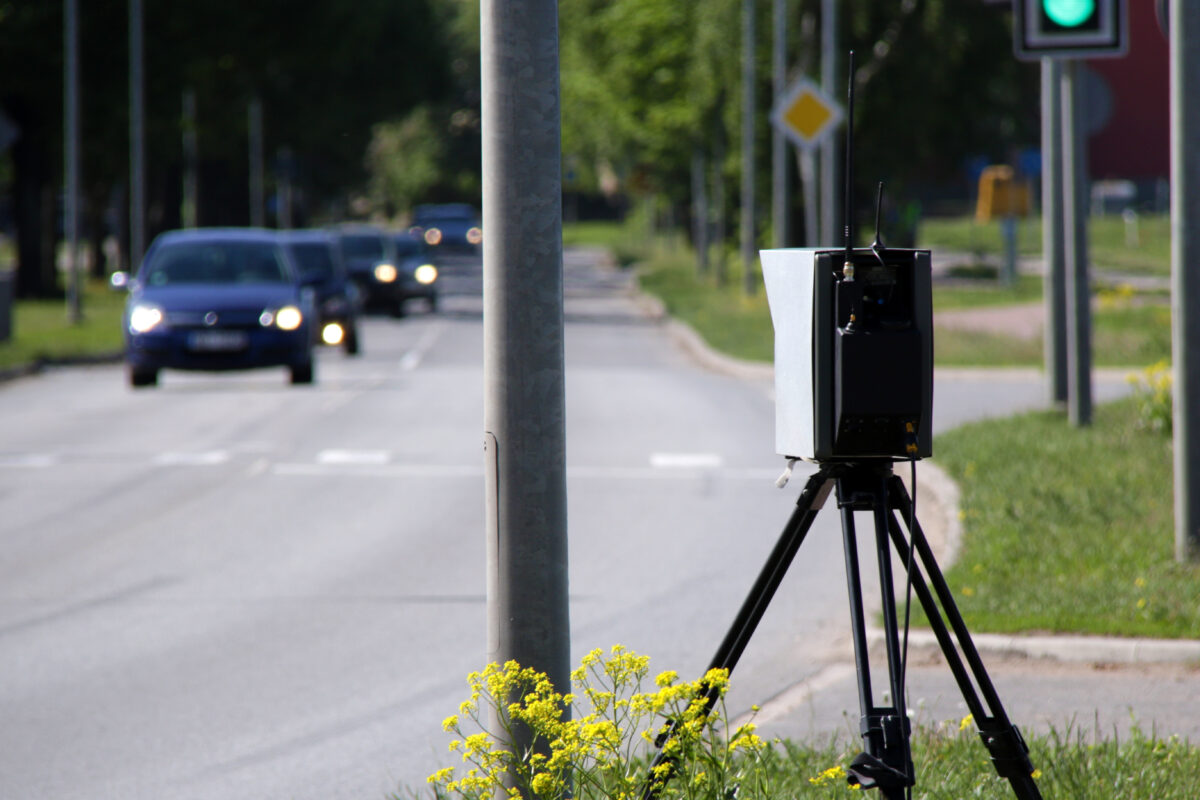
217	341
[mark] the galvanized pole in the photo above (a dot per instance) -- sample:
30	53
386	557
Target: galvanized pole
1185	281
137	137
189	212
1075	260
749	248
524	392
71	148
1053	279
254	127
829	159
700	221
780	171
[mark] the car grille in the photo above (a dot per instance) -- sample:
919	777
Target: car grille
242	318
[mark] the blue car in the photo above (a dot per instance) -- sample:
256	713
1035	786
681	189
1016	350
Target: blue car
448	226
319	261
218	299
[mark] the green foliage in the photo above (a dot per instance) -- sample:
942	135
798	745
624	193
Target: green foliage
403	160
1068	529
1152	395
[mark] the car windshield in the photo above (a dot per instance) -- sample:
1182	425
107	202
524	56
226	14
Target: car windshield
313	259
409	247
444	213
362	246
216	262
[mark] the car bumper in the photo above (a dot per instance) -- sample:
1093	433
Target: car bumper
222	349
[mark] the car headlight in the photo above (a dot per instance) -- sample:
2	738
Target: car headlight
145	317
332	334
474	236
433	237
425	274
385	273
287	318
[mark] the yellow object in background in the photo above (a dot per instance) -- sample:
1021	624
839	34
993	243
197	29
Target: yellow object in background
1001	194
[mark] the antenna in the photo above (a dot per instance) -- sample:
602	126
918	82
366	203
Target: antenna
877	246
849	188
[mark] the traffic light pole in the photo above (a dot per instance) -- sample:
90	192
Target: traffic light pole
1075	210
1052	233
1185	280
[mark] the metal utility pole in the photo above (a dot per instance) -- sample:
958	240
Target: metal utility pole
700	221
749	250
71	147
780	187
254	128
137	137
1185	282
1054	281
524	392
829	160
191	156
1075	211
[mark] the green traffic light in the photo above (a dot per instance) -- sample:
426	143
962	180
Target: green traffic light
1068	13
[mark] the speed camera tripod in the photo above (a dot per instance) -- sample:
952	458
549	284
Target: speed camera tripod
886	762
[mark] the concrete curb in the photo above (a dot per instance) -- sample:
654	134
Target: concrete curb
43	363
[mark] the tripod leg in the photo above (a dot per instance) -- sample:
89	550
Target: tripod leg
886	763
811	499
1008	751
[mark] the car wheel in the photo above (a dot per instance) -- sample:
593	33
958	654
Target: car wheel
302	373
432	300
350	343
141	377
398	309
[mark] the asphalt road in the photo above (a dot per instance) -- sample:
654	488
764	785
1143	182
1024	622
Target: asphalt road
227	587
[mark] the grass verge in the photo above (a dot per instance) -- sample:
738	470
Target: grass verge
1126	333
41	329
950	762
1143	249
1069	530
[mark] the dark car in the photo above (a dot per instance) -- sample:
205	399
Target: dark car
370	259
418	275
217	299
448	226
318	260
389	269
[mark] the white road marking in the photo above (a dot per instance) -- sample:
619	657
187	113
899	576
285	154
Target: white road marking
454	471
373	457
685	460
27	460
413	358
206	458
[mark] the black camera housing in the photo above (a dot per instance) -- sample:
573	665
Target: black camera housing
853	352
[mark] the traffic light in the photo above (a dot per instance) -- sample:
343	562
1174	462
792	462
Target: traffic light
1069	29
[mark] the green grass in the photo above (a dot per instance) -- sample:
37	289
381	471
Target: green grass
1068	529
1125	333
1107	245
951	763
41	328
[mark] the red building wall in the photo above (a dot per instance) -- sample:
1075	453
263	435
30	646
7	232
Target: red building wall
1135	143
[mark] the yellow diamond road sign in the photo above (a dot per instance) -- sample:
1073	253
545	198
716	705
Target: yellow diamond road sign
805	114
